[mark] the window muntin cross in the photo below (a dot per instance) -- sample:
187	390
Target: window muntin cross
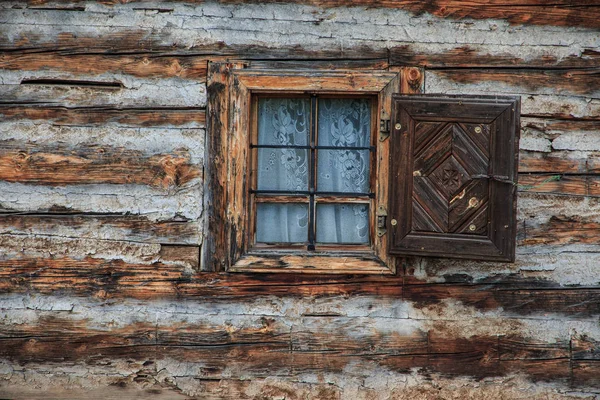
311	181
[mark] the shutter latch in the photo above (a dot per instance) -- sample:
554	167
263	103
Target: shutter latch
381	221
384	126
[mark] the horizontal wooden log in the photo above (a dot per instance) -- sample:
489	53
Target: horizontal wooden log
579	185
586	373
483	56
561	230
118	279
118	388
66	341
557	162
214	350
56	91
562	13
374	65
123	227
144	66
516	300
513	347
137	40
555	371
94	165
564	82
163	66
554	128
92	116
584	347
543	95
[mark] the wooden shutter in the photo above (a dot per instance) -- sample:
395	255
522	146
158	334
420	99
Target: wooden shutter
453	176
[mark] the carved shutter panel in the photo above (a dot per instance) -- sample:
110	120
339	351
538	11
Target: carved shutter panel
453	176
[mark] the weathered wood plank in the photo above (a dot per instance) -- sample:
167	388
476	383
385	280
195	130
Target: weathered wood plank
93	116
66	341
558	162
548	370
544	94
106	93
561	230
214	255
513	347
72	224
556	184
329	64
484	56
552	129
560	82
118	279
91	164
562	13
262	348
586	373
511	297
134	39
138	65
584	347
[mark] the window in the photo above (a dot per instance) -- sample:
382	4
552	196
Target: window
307	172
311	159
250	206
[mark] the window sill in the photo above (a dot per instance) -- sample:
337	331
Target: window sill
311	263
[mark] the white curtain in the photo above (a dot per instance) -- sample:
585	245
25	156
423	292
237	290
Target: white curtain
341	123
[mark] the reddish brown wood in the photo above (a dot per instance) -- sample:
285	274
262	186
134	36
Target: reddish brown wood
91	116
579	185
146	65
560	230
93	164
269	347
214	251
92	277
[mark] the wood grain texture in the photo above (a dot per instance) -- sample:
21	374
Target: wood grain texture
536	12
108	279
127	63
98	116
73	224
571	81
482	56
142	65
579	185
215	256
560	230
267	347
94	165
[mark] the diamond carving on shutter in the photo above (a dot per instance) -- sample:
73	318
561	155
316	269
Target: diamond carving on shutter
454	171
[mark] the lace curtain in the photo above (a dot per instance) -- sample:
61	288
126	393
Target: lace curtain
341	123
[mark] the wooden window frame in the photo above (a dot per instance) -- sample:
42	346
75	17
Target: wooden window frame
230	89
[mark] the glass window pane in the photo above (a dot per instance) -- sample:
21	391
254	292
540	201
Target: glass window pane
343	223
344	122
282	169
343	171
281	223
283	122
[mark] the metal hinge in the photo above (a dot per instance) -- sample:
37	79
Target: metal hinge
381	221
384	126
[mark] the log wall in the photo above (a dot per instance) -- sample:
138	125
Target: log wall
102	159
